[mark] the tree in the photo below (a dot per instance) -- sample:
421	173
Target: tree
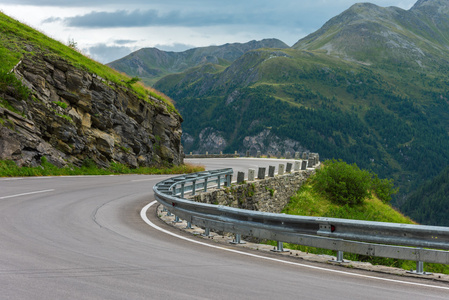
343	183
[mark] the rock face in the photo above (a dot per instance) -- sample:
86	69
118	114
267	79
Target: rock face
75	115
268	143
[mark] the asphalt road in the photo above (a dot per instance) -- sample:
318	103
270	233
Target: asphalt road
83	238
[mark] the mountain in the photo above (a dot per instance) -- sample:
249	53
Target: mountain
429	203
151	64
58	104
384	37
369	87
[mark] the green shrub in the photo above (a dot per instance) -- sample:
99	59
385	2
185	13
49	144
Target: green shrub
383	188
17	89
343	183
63	105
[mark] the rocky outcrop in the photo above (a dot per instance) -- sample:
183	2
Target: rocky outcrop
267	142
74	115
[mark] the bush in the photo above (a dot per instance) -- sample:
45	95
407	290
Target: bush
383	188
343	183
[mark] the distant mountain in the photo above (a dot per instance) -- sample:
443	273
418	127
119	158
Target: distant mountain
386	37
151	64
369	87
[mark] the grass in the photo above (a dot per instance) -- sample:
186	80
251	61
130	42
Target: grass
10	169
308	202
17	40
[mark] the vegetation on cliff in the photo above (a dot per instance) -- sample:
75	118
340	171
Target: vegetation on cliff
17	40
312	201
10	169
56	102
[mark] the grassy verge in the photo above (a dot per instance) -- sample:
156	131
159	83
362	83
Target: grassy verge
17	40
10	169
309	202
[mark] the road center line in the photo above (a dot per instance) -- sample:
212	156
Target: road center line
25	194
143	215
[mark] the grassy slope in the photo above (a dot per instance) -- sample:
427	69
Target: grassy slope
17	40
308	202
10	169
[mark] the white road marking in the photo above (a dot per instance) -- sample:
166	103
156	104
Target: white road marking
143	215
25	194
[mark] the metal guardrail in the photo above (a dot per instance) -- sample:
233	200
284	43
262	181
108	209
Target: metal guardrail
401	241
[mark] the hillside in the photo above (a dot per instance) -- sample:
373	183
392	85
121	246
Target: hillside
383	104
386	37
429	204
58	104
151	64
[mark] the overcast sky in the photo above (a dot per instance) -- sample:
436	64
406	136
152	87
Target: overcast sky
107	30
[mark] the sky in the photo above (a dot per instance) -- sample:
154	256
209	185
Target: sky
107	30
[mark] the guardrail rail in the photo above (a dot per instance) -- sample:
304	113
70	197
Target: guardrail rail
419	243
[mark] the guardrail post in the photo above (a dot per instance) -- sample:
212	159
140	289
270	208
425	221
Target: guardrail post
340	257
304	165
271	171
228	180
237	239
419	269
189	225
205	184
193	187
240	177
288	155
279	247
251	174
177	220
297	166
261	173
182	189
281	169
219	181
311	161
297	155
206	232
289	167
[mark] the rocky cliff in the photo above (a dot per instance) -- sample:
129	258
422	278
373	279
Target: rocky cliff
74	116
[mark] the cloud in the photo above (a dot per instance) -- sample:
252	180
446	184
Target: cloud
51	20
124	42
106	54
152	17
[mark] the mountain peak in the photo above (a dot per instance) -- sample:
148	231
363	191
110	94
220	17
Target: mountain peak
430	3
434	9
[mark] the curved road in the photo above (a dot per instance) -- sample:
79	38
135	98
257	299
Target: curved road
83	238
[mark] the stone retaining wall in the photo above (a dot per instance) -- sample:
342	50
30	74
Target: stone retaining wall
266	195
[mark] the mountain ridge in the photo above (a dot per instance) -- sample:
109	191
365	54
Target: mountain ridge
358	34
150	64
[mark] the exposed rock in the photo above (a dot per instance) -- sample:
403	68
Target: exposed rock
211	140
76	115
267	142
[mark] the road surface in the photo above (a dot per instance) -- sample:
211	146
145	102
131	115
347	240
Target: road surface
83	238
